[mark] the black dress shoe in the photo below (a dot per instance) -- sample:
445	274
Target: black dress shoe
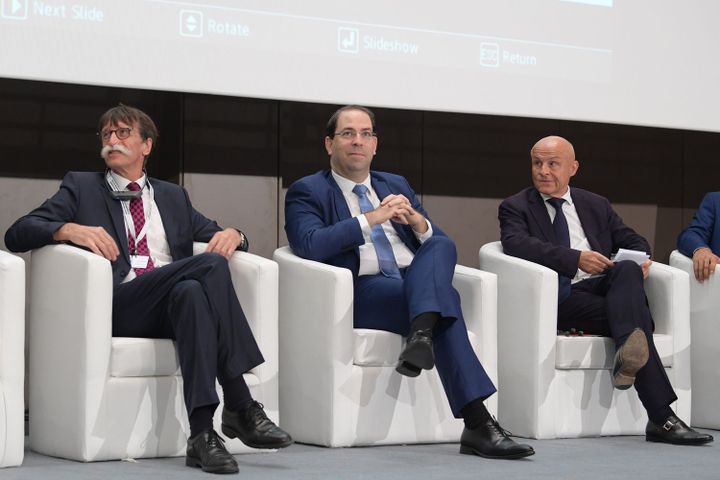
675	431
629	358
489	440
418	354
254	428
207	451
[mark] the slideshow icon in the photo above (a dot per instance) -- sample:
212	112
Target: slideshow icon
348	40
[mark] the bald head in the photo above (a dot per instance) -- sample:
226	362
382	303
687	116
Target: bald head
553	164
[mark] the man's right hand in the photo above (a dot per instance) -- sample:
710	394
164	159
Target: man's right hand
704	262
593	262
389	211
94	238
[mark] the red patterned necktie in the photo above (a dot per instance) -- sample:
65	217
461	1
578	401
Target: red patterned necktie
138	216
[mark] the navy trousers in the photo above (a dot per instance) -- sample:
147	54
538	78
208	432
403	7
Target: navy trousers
191	301
389	304
613	306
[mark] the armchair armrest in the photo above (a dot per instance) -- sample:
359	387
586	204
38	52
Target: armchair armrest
317	298
12	358
70	318
527	332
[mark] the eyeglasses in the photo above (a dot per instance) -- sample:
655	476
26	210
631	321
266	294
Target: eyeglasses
122	133
351	134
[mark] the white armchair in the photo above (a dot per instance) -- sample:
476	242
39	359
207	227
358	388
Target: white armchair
338	385
12	359
554	386
705	331
95	397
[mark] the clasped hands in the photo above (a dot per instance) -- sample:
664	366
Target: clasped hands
100	242
397	208
594	263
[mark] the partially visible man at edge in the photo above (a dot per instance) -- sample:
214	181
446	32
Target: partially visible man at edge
701	239
146	228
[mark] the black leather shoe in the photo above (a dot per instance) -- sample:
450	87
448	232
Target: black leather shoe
629	358
489	440
207	451
675	431
254	428
418	354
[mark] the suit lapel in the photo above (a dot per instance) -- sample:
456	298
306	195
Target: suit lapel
539	211
339	205
114	208
584	215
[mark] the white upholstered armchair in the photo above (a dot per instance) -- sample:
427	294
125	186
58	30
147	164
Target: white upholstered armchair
12	359
553	386
338	384
95	397
705	331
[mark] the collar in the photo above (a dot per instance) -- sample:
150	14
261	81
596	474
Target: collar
347	185
567	197
123	182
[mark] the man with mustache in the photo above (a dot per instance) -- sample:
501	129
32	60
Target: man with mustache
146	228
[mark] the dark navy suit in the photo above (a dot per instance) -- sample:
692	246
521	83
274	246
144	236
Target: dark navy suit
191	300
704	229
319	227
611	305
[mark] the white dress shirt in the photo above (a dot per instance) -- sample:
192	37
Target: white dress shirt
578	239
156	239
368	258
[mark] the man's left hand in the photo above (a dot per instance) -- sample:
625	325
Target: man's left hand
646	268
412	218
225	242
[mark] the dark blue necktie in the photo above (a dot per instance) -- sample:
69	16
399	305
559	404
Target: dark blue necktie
562	234
383	249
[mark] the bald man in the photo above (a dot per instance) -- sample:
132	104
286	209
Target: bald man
574	232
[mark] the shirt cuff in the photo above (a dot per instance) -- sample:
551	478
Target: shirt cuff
365	227
424	236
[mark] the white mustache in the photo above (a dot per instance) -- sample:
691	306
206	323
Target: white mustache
113	148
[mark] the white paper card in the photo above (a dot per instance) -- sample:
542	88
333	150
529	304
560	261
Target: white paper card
139	261
633	255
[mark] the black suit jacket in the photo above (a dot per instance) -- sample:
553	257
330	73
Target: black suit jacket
84	198
526	231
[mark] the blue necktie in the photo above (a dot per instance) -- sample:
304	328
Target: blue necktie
562	234
383	249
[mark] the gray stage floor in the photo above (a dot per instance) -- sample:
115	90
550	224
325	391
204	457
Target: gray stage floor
584	459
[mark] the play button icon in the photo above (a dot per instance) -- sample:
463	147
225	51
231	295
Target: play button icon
14	9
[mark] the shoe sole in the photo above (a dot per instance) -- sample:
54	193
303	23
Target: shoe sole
467	450
634	355
702	441
196	463
405	368
419	355
230	433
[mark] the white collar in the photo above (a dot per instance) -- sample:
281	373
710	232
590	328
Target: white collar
347	185
123	182
567	197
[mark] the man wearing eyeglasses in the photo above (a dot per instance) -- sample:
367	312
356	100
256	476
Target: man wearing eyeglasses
371	223
146	228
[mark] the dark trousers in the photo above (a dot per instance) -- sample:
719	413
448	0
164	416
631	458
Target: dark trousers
191	301
389	304
613	305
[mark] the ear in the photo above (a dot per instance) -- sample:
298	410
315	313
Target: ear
328	145
147	147
575	166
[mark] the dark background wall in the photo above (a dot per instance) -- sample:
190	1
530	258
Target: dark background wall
237	156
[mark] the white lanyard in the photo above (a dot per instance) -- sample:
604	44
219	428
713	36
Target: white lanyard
127	216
